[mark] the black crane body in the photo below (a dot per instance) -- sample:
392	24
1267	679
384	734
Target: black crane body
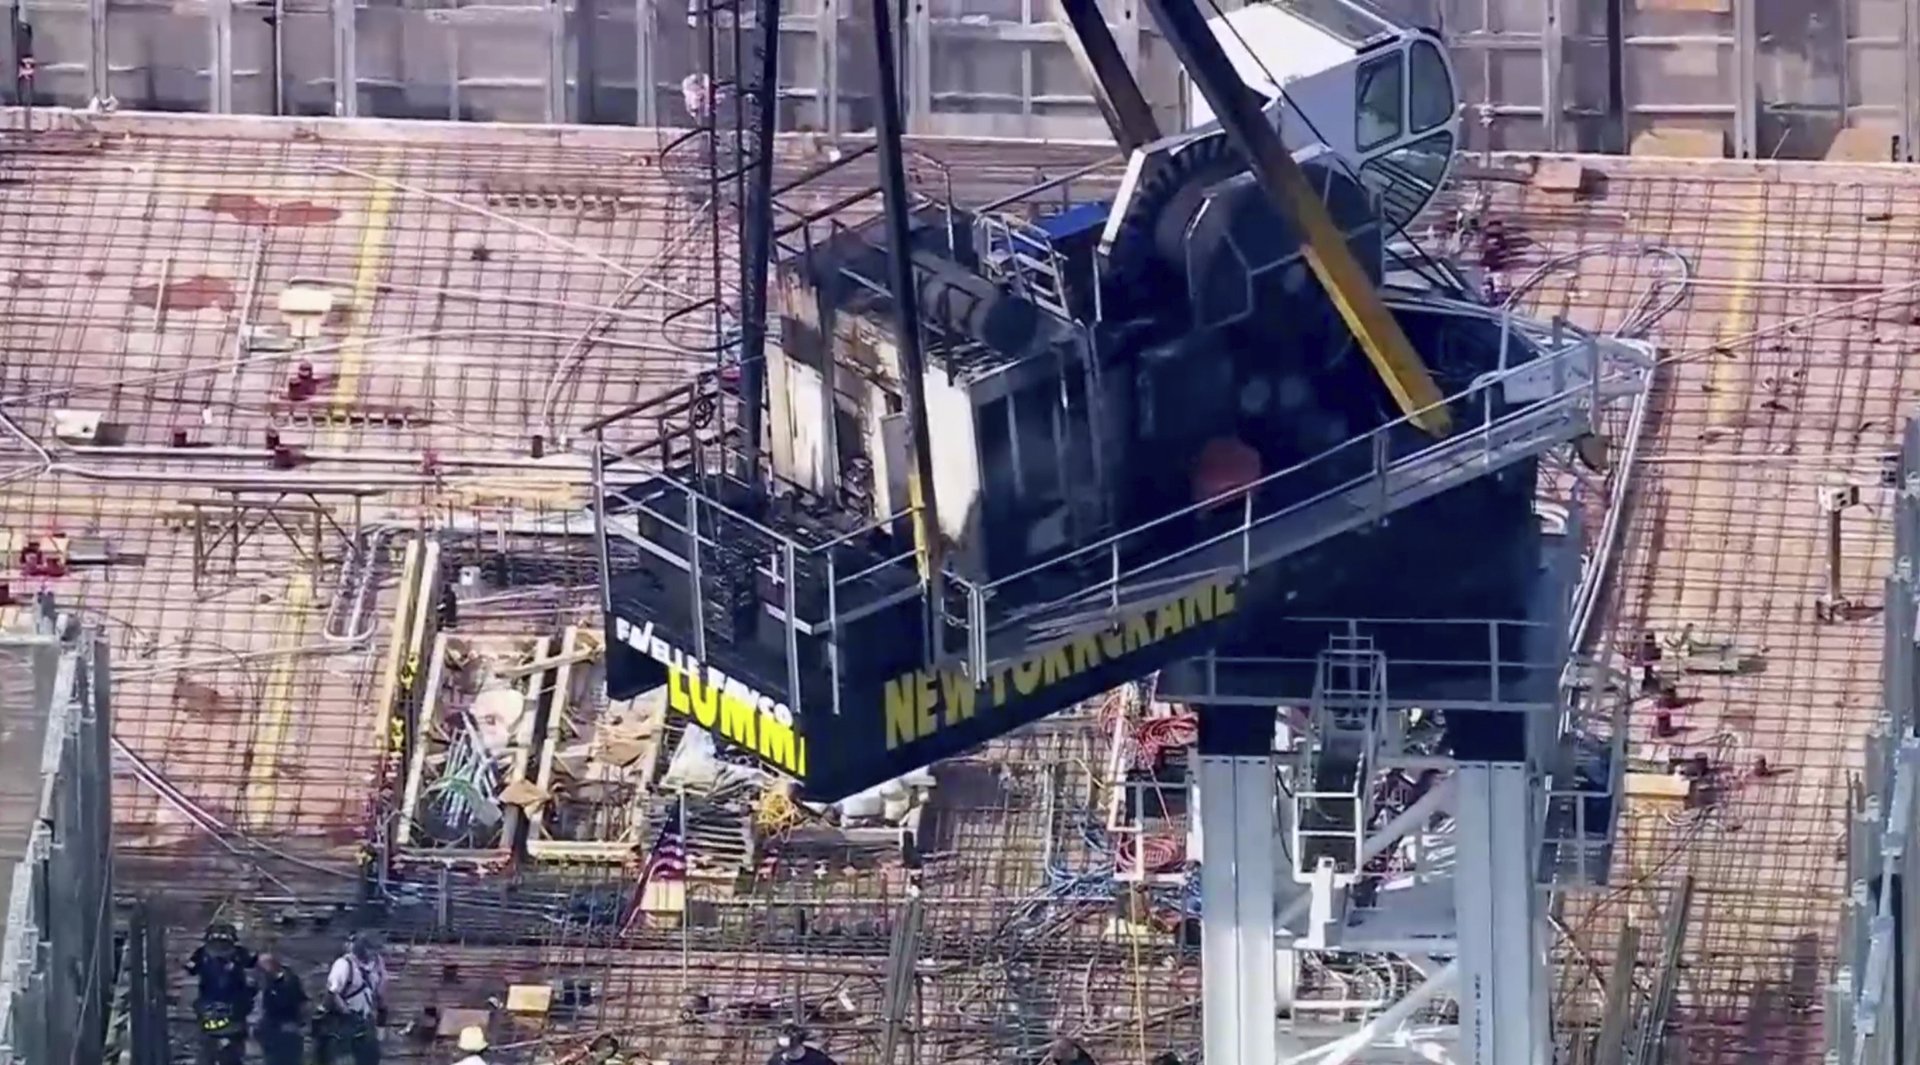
1160	425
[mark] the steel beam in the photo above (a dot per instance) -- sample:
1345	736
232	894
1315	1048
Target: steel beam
906	311
1325	247
1115	90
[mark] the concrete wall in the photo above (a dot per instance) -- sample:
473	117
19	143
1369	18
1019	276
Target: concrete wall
1763	77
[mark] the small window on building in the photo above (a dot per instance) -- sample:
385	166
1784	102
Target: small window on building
1381	102
1431	100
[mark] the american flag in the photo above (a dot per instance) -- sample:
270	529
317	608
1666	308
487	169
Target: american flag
666	861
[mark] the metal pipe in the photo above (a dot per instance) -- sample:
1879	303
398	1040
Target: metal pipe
893	183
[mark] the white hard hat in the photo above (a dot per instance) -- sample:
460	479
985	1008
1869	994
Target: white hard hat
473	1039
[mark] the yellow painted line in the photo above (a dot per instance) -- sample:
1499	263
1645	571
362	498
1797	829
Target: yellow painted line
276	708
368	264
1727	375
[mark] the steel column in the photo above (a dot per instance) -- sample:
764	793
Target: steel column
645	78
556	101
99	70
10	50
826	56
346	60
1239	1003
220	72
1910	82
919	25
1503	1008
1746	97
1553	58
906	314
1617	135
1115	90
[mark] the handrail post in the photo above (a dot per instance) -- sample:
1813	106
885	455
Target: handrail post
833	628
1380	463
693	575
1113	587
1246	534
600	520
791	602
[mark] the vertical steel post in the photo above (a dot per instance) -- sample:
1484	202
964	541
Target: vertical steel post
906	311
646	32
759	241
1616	130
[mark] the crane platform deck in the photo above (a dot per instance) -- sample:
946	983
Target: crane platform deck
490	285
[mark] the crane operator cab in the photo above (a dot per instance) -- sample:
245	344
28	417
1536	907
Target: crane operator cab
1148	422
1380	95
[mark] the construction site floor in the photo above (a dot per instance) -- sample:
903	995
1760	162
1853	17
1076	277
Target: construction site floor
494	284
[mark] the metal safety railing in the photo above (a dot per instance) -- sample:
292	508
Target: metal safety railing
1481	664
1347	486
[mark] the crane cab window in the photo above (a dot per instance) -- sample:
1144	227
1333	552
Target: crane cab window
1431	95
1381	99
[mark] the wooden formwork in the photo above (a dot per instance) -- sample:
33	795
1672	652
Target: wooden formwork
645	719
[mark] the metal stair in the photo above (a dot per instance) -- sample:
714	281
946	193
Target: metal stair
1023	258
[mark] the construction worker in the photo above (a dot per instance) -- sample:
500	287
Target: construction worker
473	1043
283	1008
356	1004
220	963
605	1050
223	996
793	1049
1065	1051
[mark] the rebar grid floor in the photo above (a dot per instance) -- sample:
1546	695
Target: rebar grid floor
480	298
1783	374
494	285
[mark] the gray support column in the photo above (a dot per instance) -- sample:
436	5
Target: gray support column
98	71
1910	81
556	24
919	66
826	51
646	78
1553	58
10	16
220	67
346	60
1746	100
453	72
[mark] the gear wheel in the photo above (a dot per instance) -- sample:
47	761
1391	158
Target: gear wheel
1135	265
